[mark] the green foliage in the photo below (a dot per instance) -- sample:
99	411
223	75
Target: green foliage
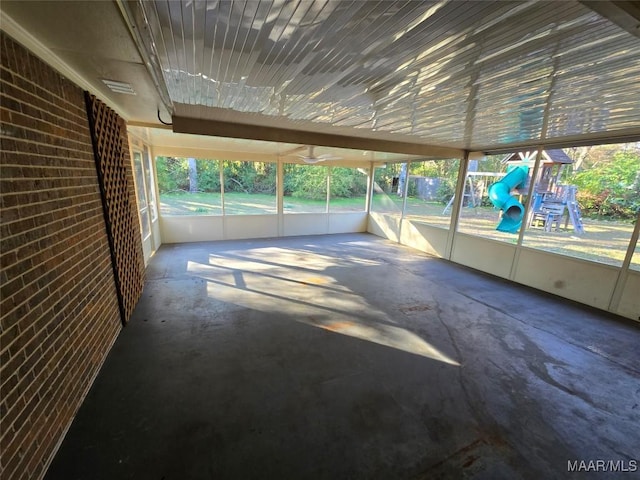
446	171
347	182
428	168
173	174
246	177
608	185
305	181
383	176
208	175
310	182
412	189
611	188
492	163
249	177
446	189
447	168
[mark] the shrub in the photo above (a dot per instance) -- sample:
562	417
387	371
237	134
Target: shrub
208	175
173	174
445	190
347	183
610	189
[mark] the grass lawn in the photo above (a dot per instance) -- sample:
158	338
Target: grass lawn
211	204
603	241
250	204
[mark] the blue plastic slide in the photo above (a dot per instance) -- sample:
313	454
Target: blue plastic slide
500	196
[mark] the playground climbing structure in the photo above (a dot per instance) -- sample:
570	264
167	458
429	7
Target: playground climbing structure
575	215
550	208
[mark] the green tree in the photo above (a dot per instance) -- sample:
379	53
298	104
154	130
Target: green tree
305	181
208	175
173	174
347	182
383	177
249	177
610	188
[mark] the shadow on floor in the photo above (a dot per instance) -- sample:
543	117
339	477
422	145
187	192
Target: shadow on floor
350	357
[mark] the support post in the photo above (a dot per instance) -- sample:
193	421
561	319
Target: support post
405	189
527	211
624	270
370	183
280	195
458	198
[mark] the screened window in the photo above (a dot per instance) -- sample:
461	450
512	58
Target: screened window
141	192
494	197
586	201
388	188
305	188
151	191
635	259
430	191
249	188
189	186
348	189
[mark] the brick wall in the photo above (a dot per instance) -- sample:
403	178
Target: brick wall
59	311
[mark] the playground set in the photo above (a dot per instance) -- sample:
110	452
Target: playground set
551	204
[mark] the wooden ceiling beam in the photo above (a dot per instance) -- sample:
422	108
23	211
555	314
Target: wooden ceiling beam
274	134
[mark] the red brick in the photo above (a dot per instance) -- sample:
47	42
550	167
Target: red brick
59	311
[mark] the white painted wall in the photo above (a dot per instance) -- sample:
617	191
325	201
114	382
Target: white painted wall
185	229
201	228
573	278
386	226
237	227
347	222
490	256
305	224
629	305
424	237
323	223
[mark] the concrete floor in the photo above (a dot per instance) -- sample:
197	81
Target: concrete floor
350	357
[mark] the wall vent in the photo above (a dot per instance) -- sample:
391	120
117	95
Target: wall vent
119	87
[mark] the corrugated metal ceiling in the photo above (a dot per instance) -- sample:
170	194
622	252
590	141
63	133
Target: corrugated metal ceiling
461	74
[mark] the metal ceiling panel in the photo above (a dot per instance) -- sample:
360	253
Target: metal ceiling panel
461	74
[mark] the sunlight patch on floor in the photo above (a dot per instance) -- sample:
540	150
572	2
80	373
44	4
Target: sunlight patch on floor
388	335
312	301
